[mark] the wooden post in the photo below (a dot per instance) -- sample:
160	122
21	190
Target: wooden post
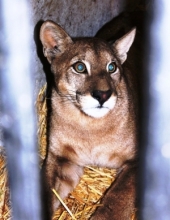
18	120
155	139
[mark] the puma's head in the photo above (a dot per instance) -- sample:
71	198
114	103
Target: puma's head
87	71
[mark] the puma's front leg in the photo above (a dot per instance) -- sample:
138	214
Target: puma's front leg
119	203
62	175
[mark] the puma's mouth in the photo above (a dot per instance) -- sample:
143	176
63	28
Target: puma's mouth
93	108
96	112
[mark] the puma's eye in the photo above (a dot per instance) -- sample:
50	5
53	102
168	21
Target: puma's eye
112	67
80	67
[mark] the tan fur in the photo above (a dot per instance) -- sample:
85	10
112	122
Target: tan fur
77	139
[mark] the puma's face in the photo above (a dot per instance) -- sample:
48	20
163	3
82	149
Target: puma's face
88	77
87	71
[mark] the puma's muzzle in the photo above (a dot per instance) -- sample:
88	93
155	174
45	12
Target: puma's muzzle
98	103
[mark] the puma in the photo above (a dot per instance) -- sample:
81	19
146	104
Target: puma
92	119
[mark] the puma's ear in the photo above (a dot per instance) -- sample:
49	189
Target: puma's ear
54	39
123	45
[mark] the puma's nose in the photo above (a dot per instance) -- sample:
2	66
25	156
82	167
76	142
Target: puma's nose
101	96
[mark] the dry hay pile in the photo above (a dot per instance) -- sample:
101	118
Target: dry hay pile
4	190
82	202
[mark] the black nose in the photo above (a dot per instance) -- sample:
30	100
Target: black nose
101	96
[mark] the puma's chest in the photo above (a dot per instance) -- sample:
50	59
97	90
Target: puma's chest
108	145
